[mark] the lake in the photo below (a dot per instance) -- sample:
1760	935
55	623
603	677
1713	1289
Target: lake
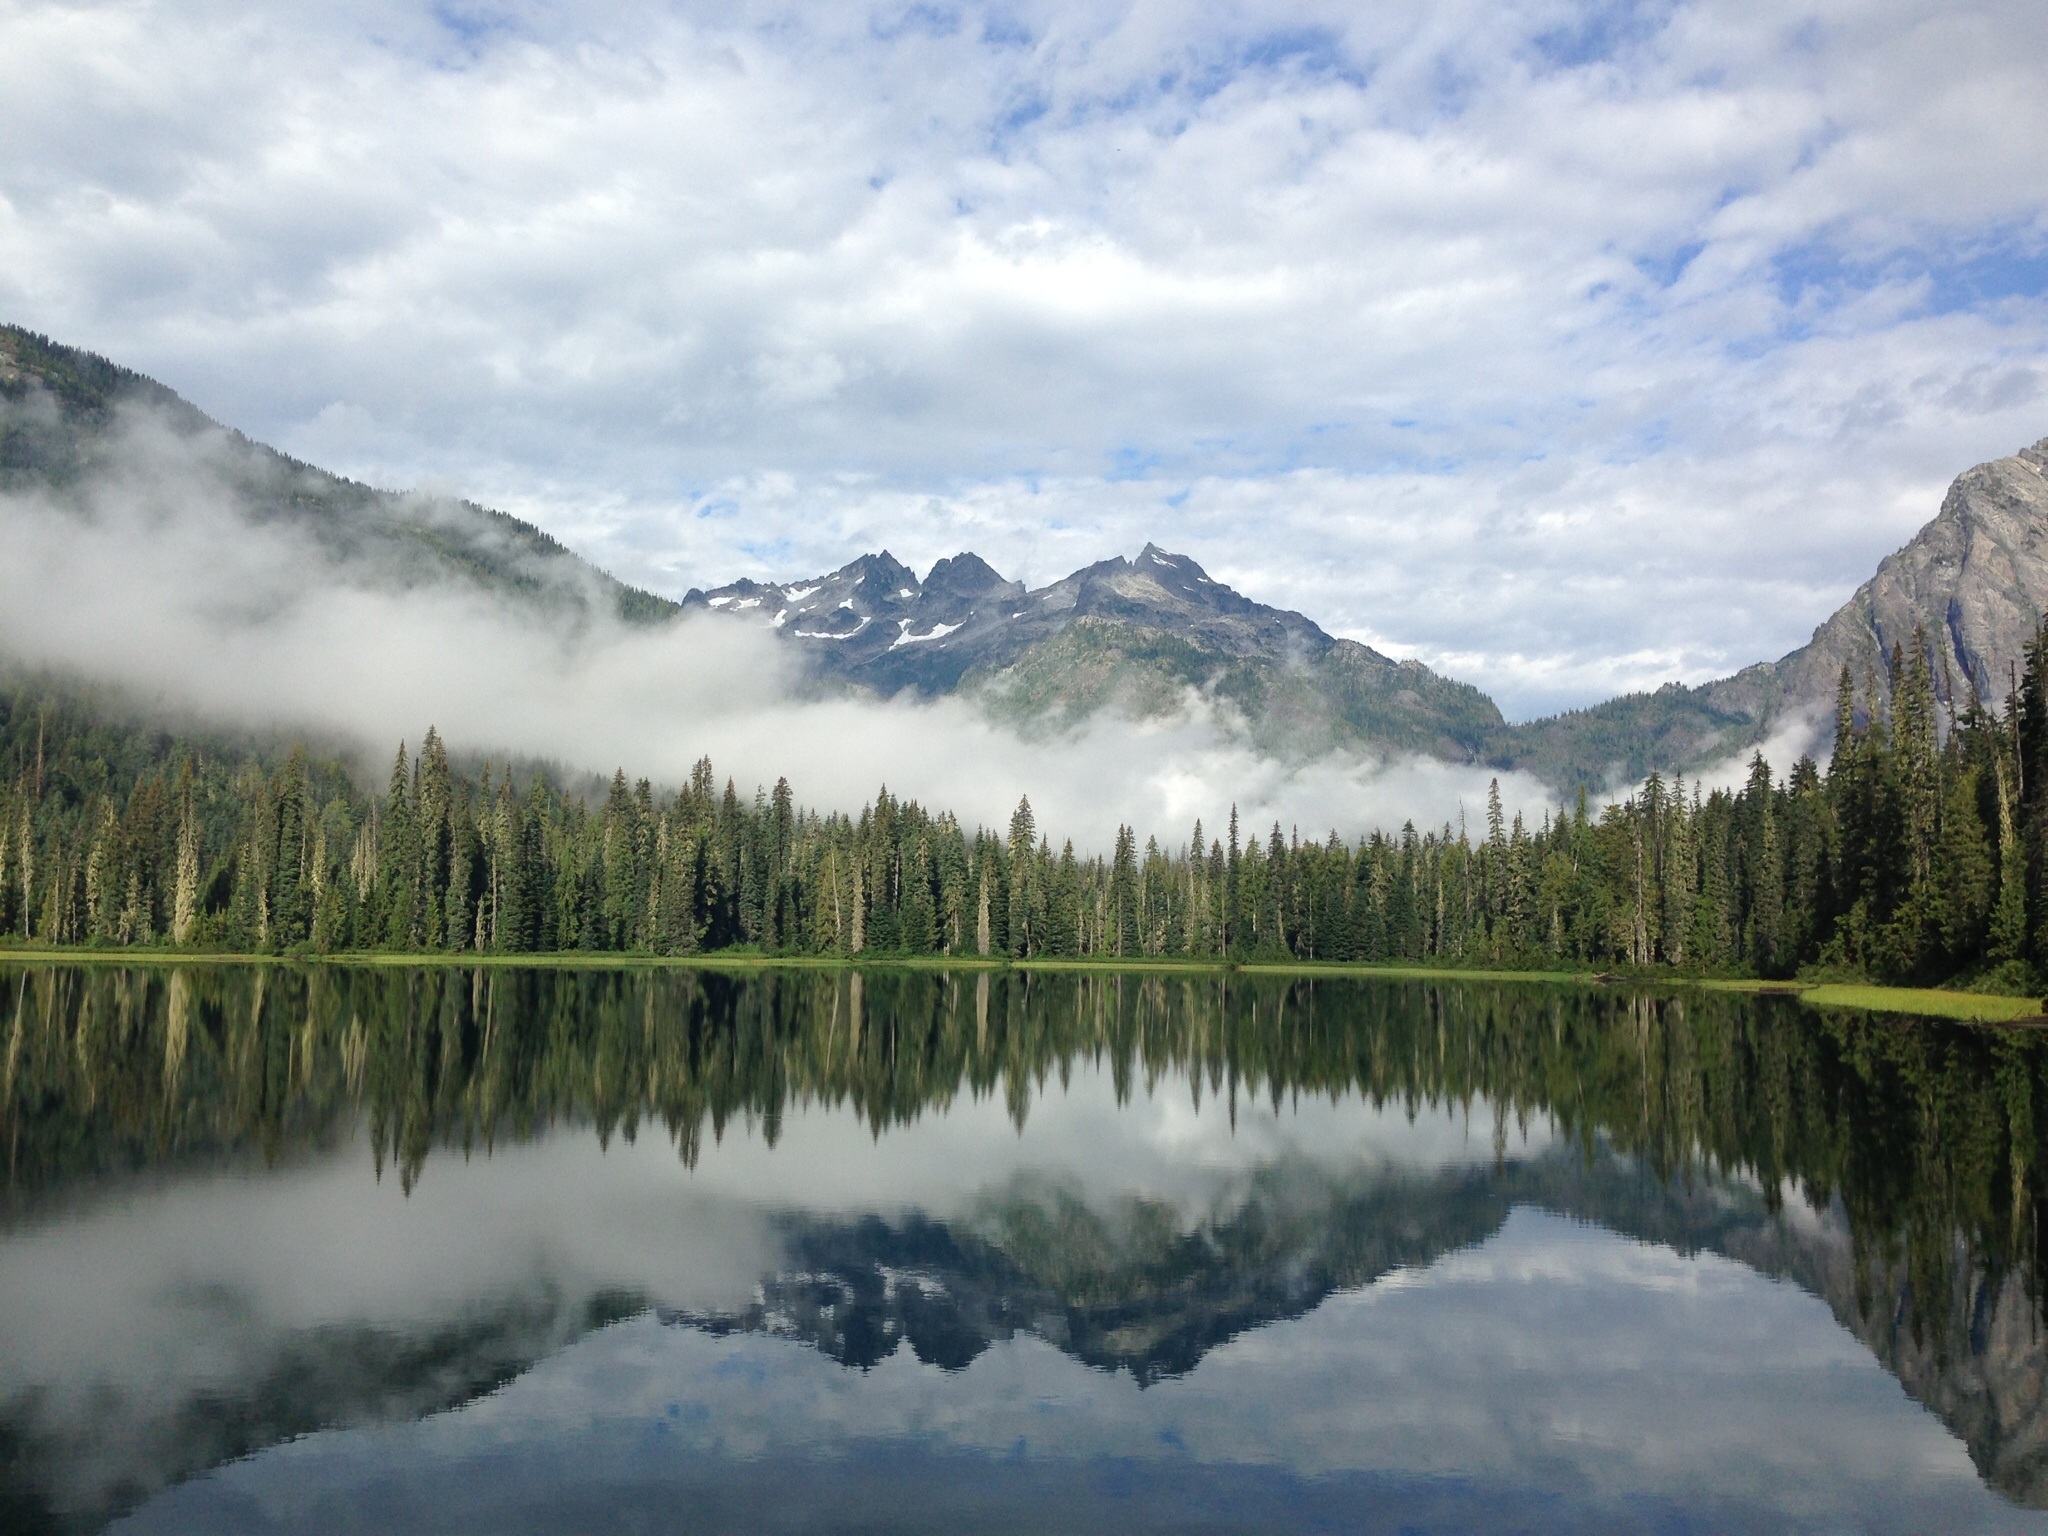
497	1250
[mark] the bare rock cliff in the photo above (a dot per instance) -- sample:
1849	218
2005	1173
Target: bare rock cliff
1976	579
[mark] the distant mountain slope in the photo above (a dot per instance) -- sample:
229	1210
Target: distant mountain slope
1676	728
69	418
1141	631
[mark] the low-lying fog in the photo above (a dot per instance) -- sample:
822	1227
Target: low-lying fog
155	575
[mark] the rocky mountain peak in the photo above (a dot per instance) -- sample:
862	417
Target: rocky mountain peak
967	574
880	579
1974	580
1146	631
964	585
1176	573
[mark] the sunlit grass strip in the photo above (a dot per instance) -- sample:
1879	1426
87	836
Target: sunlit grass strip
1978	1007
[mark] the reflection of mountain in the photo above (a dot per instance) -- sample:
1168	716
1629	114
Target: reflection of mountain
1156	1302
1986	1378
1134	1290
1915	1141
1139	1294
1129	1288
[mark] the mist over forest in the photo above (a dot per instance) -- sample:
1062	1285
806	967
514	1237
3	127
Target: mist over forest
153	572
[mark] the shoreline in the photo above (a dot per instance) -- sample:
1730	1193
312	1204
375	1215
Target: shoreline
1926	1002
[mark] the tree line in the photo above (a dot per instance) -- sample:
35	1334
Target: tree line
1918	853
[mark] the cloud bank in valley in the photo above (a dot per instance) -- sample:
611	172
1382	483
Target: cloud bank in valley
156	576
1569	347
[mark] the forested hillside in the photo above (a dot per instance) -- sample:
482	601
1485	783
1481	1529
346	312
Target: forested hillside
74	426
1919	854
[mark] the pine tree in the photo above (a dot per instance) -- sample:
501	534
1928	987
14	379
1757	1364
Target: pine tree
2008	940
1124	930
398	861
1233	925
1024	880
26	863
185	892
434	828
102	876
1763	873
983	934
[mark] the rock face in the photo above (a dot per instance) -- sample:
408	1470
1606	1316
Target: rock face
1144	632
1975	580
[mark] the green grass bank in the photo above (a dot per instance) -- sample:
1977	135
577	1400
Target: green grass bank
1925	1002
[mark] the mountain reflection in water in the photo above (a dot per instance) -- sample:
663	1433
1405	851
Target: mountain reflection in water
823	1250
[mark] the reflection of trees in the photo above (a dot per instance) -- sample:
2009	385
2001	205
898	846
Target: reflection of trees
1927	1134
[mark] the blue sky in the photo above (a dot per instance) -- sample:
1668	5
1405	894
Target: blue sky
1569	347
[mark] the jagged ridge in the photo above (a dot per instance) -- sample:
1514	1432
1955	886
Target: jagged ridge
1141	631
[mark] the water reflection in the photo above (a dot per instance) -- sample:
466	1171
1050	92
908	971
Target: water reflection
1258	1253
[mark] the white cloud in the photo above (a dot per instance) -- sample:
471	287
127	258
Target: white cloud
1576	348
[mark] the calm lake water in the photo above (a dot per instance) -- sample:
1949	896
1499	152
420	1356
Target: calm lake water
504	1251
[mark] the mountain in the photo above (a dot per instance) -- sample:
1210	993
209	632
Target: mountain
1142	632
71	422
1975	580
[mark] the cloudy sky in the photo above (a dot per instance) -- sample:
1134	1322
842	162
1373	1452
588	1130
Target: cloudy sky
1568	347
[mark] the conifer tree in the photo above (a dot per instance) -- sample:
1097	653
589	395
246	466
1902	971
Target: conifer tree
1024	879
2008	938
398	860
1124	930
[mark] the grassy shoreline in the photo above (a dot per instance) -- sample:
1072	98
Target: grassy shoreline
1974	1007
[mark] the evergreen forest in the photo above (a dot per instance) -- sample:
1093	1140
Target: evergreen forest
1919	853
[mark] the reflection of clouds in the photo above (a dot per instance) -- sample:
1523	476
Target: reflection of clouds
198	1279
1555	1359
1161	1145
109	1293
